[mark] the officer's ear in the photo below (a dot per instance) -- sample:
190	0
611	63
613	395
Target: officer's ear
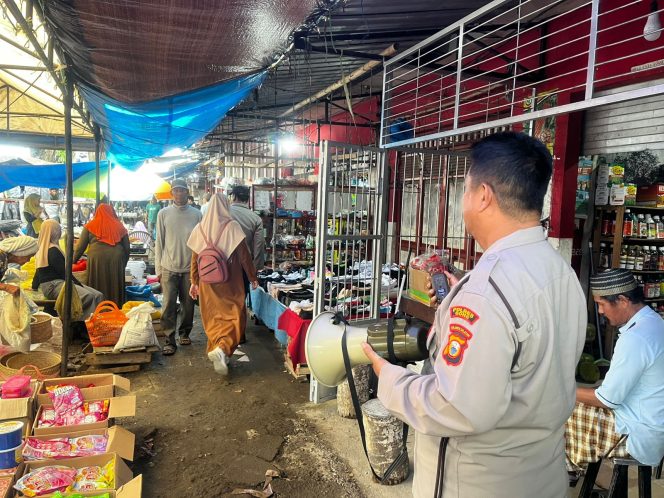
487	197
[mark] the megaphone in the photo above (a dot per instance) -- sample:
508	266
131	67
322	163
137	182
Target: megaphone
324	352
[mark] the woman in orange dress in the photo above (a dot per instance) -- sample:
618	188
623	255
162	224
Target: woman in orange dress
223	305
108	253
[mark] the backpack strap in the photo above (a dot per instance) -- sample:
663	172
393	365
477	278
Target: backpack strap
216	243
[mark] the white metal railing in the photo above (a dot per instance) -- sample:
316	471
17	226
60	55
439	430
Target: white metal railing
488	69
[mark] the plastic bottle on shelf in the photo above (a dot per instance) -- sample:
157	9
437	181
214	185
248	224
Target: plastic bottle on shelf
652	227
660	259
660	227
635	225
638	258
623	256
645	258
656	287
630	258
627	224
643	227
654	259
602	255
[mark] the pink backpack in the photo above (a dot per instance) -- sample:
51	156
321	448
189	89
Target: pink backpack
212	263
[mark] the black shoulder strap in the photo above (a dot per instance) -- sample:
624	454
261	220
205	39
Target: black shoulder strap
360	422
517	353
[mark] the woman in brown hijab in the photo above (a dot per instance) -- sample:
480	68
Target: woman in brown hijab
108	254
223	306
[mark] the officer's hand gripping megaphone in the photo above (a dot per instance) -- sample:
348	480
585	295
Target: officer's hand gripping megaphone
324	352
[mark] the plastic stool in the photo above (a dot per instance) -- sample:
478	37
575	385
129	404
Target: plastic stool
618	488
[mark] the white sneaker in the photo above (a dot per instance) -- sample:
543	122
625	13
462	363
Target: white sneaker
219	360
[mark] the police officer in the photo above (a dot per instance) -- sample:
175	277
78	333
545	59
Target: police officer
489	411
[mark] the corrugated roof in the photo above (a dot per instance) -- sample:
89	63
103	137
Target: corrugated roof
361	27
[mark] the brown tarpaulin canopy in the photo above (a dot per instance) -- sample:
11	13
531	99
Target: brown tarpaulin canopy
136	51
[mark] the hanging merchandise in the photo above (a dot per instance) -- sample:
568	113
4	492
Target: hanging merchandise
76	304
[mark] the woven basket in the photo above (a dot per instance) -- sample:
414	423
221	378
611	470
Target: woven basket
37	364
40	328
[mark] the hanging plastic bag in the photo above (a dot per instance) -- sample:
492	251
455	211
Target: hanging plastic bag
76	304
138	331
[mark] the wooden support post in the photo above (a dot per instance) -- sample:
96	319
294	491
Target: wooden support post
384	441
361	375
66	318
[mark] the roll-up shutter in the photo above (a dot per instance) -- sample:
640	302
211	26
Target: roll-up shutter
628	126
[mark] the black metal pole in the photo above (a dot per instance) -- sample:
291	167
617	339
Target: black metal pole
97	169
66	318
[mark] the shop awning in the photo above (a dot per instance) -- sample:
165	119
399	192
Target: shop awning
41	175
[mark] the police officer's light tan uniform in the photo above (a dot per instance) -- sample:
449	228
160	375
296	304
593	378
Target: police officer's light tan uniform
503	406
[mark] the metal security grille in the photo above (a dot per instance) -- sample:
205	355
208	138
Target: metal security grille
519	60
351	231
426	210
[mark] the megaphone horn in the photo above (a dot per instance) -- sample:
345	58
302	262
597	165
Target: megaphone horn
324	353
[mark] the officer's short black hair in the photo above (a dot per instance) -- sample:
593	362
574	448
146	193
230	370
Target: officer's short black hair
240	193
635	296
517	167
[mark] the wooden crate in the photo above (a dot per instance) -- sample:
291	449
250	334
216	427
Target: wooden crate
105	360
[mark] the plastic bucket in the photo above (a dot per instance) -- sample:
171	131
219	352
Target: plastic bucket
10	435
11	458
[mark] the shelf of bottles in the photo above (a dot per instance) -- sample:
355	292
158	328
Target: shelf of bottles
641	246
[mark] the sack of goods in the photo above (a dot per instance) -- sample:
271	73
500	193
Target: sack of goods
138	331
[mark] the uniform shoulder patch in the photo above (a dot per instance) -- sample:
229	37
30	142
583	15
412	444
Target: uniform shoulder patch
464	313
457	343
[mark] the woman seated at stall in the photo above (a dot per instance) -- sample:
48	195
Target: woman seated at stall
50	274
16	250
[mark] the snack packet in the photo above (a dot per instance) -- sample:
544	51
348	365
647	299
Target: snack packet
46	480
94	444
66	400
94	478
36	449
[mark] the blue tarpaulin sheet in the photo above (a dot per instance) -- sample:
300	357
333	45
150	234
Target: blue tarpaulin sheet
135	132
42	175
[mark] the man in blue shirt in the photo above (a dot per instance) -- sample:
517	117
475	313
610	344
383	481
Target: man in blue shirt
634	385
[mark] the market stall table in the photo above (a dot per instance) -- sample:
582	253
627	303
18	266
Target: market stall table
268	310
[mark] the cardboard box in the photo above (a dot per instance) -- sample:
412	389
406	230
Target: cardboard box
106	386
126	485
120	440
121	406
418	283
650	195
22	409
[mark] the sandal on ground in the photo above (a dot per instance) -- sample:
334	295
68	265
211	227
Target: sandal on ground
185	341
168	350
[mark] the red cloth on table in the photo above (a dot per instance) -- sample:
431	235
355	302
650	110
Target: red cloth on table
296	328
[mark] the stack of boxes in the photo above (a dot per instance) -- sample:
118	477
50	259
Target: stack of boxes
120	441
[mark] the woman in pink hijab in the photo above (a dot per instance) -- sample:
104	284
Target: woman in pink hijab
223	306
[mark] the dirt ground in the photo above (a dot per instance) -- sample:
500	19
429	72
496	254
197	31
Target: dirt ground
212	435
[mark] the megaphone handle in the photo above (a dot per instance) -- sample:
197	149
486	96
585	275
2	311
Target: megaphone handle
360	421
